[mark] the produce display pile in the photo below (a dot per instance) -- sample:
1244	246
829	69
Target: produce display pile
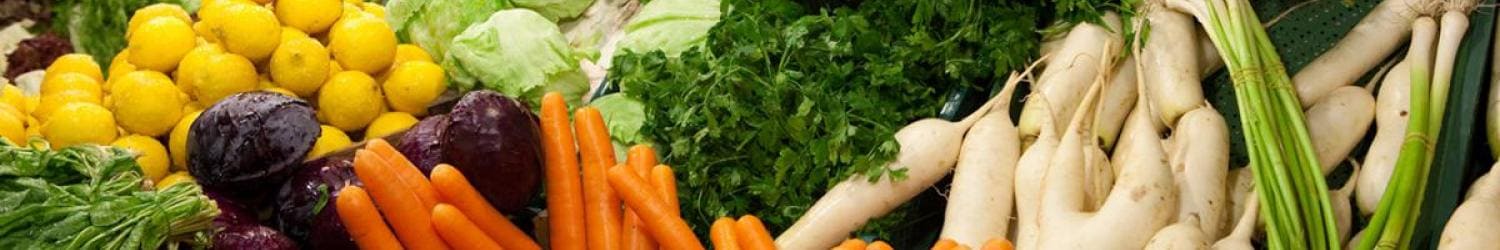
743	124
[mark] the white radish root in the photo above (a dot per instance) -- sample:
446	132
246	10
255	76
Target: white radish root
978	210
1472	225
1199	155
1183	235
1241	189
1338	122
1376	36
1118	99
1239	239
1170	64
1074	67
1030	170
1392	110
1343	211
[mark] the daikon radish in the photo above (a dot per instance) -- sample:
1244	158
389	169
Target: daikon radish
1074	66
1199	156
1343	213
1118	99
1241	186
1392	108
929	149
1099	176
1492	110
978	209
1378	34
1183	235
1471	226
1169	60
1239	239
1338	122
1030	170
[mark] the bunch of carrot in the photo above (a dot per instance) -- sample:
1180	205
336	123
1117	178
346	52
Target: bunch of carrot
585	205
747	233
442	211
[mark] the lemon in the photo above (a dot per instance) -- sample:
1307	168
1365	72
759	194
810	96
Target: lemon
364	44
192	64
410	52
177	141
147	103
75	63
300	65
289	33
389	123
334	69
331	140
311	16
151	155
281	91
10	94
14	112
350	101
79	123
352	10
374	9
412	86
120	66
249	30
70	81
32	102
12	128
173	179
153	11
51	103
161	43
230	74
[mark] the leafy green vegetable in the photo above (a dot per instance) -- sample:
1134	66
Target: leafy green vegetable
92	197
624	115
672	26
432	24
786	100
519	53
555	10
97	27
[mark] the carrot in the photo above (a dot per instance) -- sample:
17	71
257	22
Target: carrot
666	184
945	244
851	244
879	245
411	221
564	189
458	231
454	189
752	234
998	244
363	221
670	231
640	158
722	234
410	176
601	206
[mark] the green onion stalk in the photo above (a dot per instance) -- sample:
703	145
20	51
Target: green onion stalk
1395	218
1290	183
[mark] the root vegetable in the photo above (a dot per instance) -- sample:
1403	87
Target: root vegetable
1392	109
1074	67
1241	186
1338	122
1030	170
1470	226
1183	235
1199	155
979	210
1343	216
1364	47
1118	99
1170	64
1239	239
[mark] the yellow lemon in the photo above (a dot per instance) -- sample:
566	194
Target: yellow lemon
51	103
75	63
412	86
289	33
14	112
350	101
224	74
80	123
374	9
281	91
173	179
363	44
161	43
119	67
147	103
32	102
13	128
352	10
10	94
300	65
410	52
311	16
177	141
70	81
331	140
150	154
389	123
249	30
334	69
153	11
188	70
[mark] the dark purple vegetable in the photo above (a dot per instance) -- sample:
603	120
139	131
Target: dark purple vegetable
36	53
494	141
231	213
249	142
421	144
305	204
252	237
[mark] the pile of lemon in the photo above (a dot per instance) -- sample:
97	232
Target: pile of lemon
340	55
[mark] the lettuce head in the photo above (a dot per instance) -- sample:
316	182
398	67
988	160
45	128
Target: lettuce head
672	26
432	24
517	52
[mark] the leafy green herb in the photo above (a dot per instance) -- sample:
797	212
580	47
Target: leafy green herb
92	197
97	27
784	101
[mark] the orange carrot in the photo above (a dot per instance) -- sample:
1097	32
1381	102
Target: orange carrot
960	247
363	221
722	234
458	231
753	234
666	183
564	188
454	189
640	158
409	174
878	245
852	244
411	221
670	231
945	244
601	205
998	244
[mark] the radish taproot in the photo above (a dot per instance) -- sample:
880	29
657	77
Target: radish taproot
978	210
1198	153
1074	67
1118	99
1393	105
1338	122
1470	226
1183	235
1376	36
1170	70
1030	171
1239	238
1343	213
